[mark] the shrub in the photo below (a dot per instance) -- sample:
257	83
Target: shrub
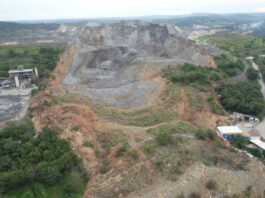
134	153
228	65
89	144
105	167
252	74
204	134
163	137
122	149
149	148
34	92
159	164
195	195
216	144
211	185
107	147
201	134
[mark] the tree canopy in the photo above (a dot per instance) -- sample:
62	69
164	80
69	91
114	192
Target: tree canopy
25	158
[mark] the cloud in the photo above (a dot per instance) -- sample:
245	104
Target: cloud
51	9
259	9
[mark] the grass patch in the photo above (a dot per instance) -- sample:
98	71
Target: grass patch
145	117
175	92
192	95
179	127
111	138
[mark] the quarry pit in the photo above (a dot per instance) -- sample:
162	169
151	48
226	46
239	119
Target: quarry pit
113	61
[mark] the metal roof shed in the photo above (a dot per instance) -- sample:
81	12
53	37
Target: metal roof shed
258	143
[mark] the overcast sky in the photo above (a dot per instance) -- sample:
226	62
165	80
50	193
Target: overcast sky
57	9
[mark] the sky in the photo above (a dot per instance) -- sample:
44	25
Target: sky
69	9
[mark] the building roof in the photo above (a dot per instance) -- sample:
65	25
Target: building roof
258	143
229	130
19	71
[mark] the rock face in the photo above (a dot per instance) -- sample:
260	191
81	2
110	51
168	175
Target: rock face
112	60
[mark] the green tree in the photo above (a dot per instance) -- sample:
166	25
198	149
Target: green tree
12	53
163	137
28	194
73	182
252	74
49	175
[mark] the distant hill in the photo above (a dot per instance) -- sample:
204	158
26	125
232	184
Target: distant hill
228	21
10	29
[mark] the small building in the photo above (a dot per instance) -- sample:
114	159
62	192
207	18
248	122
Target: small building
229	132
21	76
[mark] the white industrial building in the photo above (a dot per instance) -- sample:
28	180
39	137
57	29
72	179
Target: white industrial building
229	132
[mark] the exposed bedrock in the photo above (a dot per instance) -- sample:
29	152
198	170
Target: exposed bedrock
112	60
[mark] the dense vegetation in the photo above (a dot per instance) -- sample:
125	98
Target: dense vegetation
25	159
8	29
239	45
44	58
228	65
260	61
244	97
201	78
193	74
